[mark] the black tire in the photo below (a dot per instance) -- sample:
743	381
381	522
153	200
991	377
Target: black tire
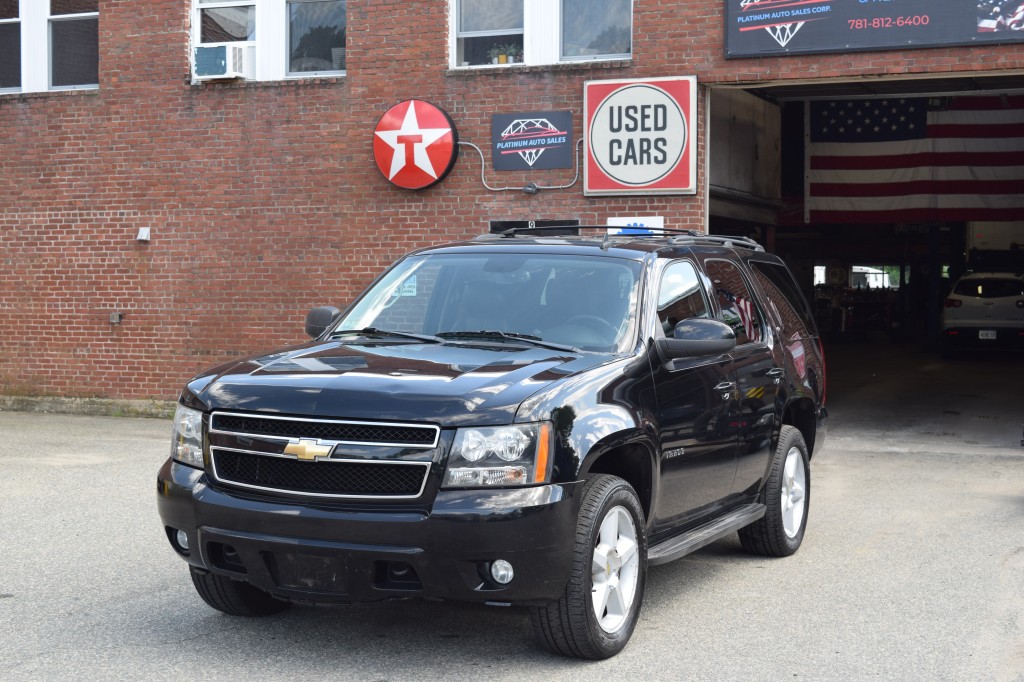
234	597
767	536
570	626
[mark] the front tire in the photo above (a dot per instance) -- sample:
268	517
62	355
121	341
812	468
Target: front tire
596	615
234	597
786	495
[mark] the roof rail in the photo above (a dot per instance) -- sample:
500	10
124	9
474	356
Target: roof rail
744	242
678	236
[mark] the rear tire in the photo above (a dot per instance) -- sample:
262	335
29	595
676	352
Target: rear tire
234	597
596	615
786	495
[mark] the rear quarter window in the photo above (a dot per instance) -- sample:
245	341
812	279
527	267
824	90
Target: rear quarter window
784	295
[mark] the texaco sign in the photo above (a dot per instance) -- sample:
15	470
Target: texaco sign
640	136
415	144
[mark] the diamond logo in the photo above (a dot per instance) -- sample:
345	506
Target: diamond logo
782	33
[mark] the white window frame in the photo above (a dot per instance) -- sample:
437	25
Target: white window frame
36	66
542	37
268	54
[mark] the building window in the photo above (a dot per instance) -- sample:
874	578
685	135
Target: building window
74	43
595	29
10	45
489	32
283	38
49	45
224	22
316	36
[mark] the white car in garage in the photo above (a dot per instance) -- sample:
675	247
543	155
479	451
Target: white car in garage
984	310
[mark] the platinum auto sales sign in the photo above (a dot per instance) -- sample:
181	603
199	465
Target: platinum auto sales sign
640	136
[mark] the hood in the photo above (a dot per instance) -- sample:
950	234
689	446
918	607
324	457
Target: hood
446	384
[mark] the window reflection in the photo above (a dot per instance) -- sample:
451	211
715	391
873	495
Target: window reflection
228	24
596	28
316	36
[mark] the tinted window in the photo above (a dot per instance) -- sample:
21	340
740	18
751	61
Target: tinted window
784	294
738	308
989	287
680	297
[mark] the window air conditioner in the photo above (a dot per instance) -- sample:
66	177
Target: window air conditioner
219	62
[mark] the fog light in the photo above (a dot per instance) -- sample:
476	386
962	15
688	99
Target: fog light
182	540
502	572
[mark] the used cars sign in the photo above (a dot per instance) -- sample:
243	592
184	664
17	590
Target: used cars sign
639	136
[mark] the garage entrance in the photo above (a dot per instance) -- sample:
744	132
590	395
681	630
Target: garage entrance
878	193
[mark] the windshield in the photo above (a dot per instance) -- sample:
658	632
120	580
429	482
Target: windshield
588	303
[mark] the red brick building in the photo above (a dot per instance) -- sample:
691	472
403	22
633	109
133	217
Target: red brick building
261	193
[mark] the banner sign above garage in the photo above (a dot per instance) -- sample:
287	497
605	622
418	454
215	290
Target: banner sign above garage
757	28
640	136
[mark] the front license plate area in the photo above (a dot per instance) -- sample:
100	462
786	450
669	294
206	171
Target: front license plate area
987	335
308	572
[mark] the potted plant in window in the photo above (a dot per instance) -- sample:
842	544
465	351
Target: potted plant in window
496	54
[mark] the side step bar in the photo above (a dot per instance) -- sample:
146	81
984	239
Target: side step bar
680	545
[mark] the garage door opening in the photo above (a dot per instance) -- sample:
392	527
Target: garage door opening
879	195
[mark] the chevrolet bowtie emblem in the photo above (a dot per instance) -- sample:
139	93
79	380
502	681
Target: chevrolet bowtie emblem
308	450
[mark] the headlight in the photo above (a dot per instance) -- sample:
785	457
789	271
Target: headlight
187	437
500	456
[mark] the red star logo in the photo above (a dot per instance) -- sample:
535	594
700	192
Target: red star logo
415	144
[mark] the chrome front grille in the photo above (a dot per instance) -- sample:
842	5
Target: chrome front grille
254	451
353	433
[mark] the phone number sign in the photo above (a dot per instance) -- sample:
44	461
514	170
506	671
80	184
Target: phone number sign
757	28
640	136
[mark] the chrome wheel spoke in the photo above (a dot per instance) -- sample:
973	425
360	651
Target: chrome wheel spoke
599	565
617	607
626	549
610	530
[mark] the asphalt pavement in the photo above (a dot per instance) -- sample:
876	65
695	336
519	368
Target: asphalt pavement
912	567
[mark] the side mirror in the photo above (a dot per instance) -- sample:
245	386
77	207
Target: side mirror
319	319
697	337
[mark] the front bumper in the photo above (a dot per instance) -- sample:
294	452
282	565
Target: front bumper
306	551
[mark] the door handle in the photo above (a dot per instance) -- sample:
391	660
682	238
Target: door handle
725	388
776	374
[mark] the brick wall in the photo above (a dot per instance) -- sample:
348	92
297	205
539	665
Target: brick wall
264	199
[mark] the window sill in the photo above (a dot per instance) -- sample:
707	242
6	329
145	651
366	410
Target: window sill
290	81
70	92
498	69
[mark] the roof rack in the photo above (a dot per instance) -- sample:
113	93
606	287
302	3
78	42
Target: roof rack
678	236
744	242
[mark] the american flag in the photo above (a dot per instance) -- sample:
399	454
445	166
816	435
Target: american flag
915	159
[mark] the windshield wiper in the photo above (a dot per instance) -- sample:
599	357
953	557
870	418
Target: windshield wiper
511	336
379	333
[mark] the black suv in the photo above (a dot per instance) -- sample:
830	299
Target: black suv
527	420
